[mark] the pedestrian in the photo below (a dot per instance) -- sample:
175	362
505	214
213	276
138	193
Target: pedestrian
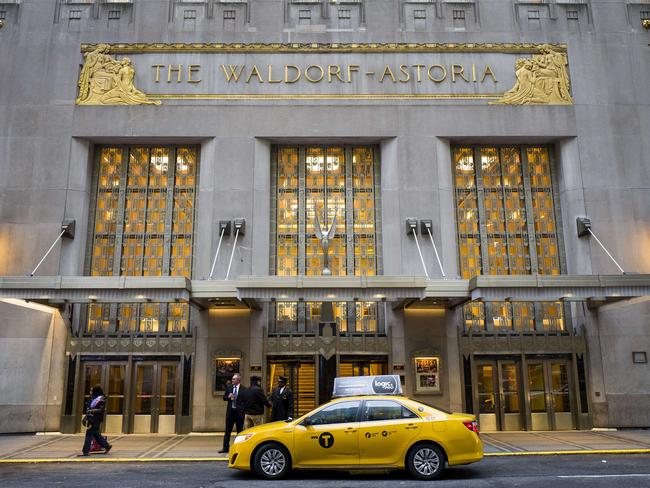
254	402
93	419
282	401
234	410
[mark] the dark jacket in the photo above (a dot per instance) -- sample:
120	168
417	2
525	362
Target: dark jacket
255	401
282	404
96	415
239	402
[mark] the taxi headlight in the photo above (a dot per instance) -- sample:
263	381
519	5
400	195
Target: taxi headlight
242	438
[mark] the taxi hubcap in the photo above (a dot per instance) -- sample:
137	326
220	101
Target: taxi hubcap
426	461
272	462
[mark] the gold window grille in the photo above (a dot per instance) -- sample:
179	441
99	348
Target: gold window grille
506	224
324	183
143	226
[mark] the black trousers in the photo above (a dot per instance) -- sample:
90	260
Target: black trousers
233	419
93	432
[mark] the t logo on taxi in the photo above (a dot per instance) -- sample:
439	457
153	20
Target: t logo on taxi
326	440
384	384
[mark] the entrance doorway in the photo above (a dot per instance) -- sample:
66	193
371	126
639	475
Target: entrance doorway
301	375
155	397
549	390
498	384
536	397
360	366
111	377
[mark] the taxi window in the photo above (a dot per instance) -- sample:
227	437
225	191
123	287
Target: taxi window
385	410
336	414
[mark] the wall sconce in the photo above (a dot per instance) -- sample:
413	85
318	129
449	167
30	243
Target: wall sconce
645	23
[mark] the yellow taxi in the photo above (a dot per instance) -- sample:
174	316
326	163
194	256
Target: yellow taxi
369	425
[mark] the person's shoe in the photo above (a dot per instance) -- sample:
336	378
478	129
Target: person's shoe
110	446
223	451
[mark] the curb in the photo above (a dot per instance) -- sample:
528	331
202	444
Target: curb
111	460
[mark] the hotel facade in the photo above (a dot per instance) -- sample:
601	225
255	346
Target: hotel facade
456	192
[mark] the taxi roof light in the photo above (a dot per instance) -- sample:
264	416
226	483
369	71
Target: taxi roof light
367	385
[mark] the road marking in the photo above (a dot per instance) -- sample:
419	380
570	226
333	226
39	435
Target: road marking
571	453
606	476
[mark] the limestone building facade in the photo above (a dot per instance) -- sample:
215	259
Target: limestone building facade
322	188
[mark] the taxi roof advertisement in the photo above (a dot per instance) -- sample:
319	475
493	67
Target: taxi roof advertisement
367	385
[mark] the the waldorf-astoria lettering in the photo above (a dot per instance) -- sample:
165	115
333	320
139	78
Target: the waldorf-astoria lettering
404	71
330	73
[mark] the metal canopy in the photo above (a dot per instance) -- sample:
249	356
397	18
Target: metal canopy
250	291
596	290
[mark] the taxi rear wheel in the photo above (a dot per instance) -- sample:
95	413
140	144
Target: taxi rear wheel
272	462
426	462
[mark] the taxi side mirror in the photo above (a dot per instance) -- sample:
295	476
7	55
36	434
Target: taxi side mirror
306	422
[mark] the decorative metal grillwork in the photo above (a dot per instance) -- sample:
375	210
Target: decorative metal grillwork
506	225
144	226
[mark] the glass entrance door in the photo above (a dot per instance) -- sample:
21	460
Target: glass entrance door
498	395
111	377
302	381
155	398
549	390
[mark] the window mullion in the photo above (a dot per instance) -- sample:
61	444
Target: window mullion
504	210
480	203
530	218
302	211
167	237
349	213
121	207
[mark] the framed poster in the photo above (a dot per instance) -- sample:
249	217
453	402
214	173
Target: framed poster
224	369
427	374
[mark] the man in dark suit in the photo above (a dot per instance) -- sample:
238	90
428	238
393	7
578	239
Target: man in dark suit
234	410
282	401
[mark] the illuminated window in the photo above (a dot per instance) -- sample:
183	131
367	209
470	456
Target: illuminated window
325	187
143	226
505	215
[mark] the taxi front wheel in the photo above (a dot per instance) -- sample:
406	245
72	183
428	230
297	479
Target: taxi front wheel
426	462
272	462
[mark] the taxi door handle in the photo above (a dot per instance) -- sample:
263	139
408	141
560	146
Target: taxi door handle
350	430
411	426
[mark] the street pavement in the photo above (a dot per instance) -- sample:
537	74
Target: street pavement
588	471
204	447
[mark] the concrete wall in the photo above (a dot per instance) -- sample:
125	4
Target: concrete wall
32	369
601	141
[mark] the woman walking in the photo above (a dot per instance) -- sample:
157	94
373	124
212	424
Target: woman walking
93	420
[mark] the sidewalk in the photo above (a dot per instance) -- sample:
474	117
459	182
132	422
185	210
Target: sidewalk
205	447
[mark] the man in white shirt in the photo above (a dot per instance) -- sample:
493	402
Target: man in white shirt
234	410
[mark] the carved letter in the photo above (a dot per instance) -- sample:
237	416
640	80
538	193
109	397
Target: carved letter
457	69
405	71
286	73
473	72
319	68
270	78
231	72
171	70
488	72
255	72
334	70
387	71
419	68
192	68
158	66
441	68
352	68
